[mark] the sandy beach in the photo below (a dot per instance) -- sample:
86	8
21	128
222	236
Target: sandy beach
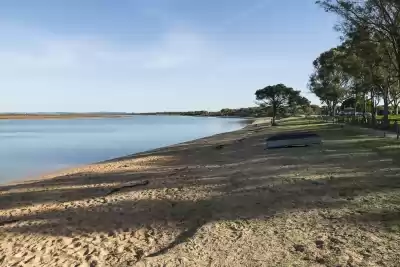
217	201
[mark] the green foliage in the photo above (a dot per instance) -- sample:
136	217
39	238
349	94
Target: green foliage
329	80
369	61
280	97
316	110
349	103
226	112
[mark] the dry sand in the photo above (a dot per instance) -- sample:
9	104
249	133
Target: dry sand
217	201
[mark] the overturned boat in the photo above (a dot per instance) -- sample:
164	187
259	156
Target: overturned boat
293	139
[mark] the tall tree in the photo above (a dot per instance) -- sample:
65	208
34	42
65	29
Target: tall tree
277	97
380	19
316	110
297	101
372	69
328	81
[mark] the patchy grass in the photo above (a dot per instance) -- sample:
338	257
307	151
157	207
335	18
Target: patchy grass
391	117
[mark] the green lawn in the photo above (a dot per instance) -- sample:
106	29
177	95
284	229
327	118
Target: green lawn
391	117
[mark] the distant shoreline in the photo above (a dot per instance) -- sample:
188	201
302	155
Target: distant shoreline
58	116
88	115
249	123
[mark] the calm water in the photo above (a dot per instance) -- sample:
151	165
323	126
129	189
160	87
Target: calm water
33	147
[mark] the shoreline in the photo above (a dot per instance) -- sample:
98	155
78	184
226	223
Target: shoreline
51	174
83	116
58	116
220	200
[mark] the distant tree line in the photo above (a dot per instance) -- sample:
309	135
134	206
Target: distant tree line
273	101
226	112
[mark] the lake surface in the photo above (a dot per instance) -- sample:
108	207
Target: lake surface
29	148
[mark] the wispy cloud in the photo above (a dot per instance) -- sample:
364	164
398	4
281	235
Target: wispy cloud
51	53
177	49
244	14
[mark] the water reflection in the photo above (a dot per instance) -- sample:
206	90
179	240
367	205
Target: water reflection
32	147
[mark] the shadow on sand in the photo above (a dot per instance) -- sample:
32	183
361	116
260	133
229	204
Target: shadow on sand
199	184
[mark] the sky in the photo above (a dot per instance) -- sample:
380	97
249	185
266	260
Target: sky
155	55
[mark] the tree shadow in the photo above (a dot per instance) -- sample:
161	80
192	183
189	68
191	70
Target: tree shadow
200	184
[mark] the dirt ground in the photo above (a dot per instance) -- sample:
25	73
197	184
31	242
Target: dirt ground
217	201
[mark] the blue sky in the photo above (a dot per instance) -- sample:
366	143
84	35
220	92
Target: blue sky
155	55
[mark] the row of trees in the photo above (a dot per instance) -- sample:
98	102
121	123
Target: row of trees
262	110
366	65
272	101
226	112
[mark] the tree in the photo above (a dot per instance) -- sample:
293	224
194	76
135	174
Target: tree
277	97
378	16
316	110
377	27
304	103
297	101
368	68
226	112
394	95
328	81
349	103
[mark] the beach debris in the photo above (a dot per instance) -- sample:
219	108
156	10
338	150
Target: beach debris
240	140
319	244
320	260
219	147
129	185
314	182
176	171
299	248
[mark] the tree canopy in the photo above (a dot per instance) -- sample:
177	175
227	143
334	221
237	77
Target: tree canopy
366	65
278	97
328	80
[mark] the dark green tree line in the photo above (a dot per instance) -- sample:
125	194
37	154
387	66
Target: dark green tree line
366	65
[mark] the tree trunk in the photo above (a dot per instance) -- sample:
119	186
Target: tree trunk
329	105
398	68
396	98
355	104
373	109
273	114
333	108
385	108
364	107
364	104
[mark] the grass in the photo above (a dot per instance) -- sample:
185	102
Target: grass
391	117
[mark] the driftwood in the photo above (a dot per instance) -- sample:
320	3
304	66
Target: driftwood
130	185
